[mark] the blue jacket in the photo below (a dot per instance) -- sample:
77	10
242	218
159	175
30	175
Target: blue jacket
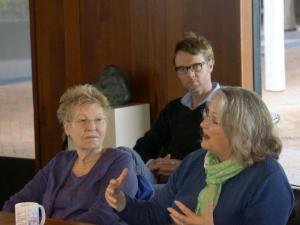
259	195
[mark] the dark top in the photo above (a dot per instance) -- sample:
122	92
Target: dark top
177	132
259	195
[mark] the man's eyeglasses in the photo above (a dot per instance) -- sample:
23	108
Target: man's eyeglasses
210	119
196	68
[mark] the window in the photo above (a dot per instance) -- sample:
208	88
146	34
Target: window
16	111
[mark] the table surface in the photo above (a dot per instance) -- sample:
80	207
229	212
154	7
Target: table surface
9	219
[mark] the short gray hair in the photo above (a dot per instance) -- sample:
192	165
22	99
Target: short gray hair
79	95
247	123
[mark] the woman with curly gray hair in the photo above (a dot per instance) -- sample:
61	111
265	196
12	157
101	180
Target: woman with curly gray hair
72	185
237	180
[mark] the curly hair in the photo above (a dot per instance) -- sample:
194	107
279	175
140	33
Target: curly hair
79	95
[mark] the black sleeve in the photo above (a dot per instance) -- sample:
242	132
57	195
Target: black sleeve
149	146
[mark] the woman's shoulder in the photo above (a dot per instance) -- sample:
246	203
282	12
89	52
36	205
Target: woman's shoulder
190	167
116	154
265	176
264	170
63	159
267	166
64	156
194	158
195	155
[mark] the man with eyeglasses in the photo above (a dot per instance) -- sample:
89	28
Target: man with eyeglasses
176	133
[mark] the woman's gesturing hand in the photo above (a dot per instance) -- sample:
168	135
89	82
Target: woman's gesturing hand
113	194
188	217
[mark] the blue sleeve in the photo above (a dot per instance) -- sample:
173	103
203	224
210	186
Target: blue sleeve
100	212
272	203
33	191
154	211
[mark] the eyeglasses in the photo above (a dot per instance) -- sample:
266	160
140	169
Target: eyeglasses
210	119
85	122
196	68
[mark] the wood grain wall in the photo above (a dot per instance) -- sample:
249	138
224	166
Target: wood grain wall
73	40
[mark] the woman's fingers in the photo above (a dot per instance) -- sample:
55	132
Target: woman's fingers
113	194
209	213
110	196
186	216
175	220
176	217
115	185
122	177
185	210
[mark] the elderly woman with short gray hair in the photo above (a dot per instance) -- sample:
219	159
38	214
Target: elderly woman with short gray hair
72	185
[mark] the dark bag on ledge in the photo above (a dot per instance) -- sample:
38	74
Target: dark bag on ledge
114	85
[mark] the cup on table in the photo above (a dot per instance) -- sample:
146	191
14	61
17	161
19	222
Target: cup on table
28	213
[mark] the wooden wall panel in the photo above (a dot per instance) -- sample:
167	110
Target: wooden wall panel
217	22
149	53
73	41
105	36
72	51
48	63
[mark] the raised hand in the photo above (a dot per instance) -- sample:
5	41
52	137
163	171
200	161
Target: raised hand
188	217
113	194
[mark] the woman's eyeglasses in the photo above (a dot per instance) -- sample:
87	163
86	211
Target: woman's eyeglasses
85	122
210	119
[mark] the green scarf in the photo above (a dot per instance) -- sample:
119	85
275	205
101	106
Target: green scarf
217	173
